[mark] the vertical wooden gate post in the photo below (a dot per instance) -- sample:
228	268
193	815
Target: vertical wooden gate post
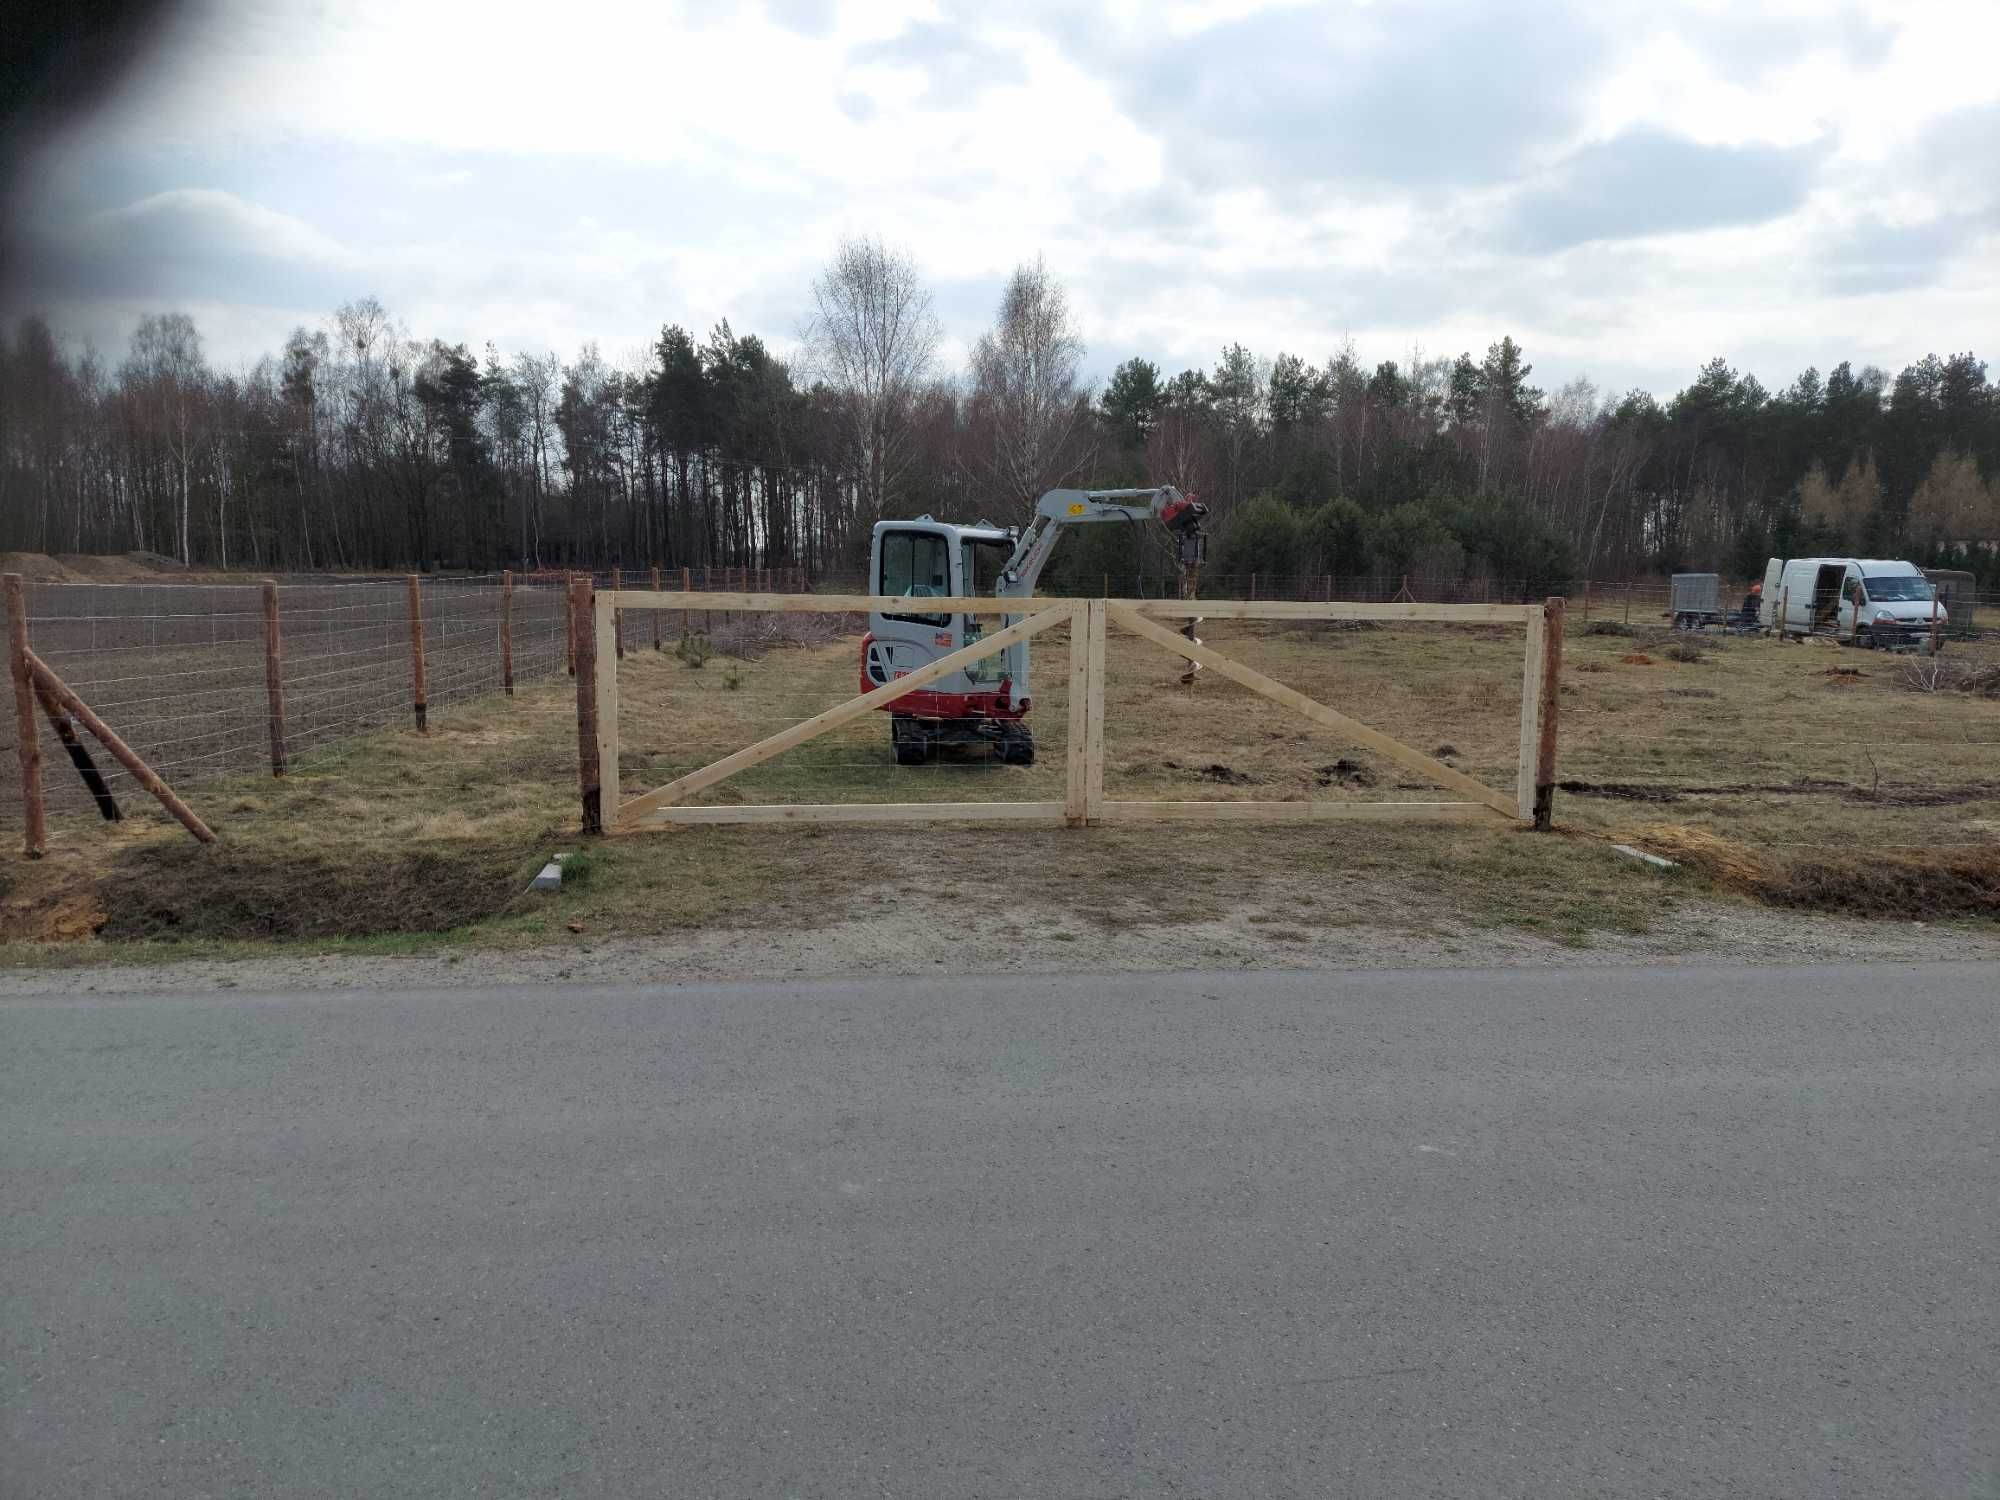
588	771
1549	711
1076	792
274	678
618	617
417	653
27	737
1093	770
655	613
507	631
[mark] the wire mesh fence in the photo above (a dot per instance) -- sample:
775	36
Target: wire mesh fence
1791	743
178	670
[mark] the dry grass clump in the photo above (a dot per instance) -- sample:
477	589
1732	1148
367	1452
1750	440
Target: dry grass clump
183	890
1919	884
1934	674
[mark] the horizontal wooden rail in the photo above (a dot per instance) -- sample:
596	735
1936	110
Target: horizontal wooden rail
1293	609
827	604
1164	609
851	812
1298	812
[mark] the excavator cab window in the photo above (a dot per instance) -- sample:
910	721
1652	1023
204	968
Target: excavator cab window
915	564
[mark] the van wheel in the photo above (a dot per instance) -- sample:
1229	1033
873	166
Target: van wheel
1864	638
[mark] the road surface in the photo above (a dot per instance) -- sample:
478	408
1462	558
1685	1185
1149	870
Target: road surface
1699	1232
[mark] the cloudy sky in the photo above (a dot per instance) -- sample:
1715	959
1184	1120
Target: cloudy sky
1628	189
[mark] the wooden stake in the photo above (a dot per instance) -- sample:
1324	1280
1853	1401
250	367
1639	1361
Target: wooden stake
1551	708
1533	658
656	613
274	678
507	631
589	780
1586	601
687	587
1076	790
618	617
601	621
417	697
120	751
1934	618
27	739
1628	602
79	754
1784	611
1093	765
569	621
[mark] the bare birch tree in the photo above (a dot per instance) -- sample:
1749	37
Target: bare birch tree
1024	375
873	336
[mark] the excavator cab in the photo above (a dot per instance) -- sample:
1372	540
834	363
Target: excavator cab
910	562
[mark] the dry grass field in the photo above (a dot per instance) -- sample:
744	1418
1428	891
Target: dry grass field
1776	772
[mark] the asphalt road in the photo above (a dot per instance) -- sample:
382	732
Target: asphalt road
1687	1232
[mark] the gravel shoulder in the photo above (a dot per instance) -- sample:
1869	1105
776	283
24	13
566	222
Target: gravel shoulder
919	936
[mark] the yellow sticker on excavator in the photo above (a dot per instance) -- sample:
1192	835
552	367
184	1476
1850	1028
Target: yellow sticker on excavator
1076	510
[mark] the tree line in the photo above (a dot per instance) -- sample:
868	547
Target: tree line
361	446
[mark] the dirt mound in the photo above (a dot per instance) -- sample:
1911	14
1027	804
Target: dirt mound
180	890
126	567
36	567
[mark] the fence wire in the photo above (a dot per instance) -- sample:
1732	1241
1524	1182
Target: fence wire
1780	744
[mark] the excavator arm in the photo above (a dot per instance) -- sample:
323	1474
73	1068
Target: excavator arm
1058	510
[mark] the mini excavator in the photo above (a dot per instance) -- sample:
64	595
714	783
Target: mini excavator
987	704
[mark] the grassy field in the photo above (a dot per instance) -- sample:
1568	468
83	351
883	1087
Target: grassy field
1763	764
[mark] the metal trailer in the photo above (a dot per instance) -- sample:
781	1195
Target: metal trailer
1958	593
1696	600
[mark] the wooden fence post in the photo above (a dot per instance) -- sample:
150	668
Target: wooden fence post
569	621
687	586
1784	612
707	615
417	653
1550	711
588	772
507	631
27	738
1628	601
617	617
655	612
608	794
274	677
1093	769
1586	601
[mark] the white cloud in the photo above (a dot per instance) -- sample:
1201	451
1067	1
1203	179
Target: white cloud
1632	187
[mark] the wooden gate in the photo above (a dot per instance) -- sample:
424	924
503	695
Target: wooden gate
1084	802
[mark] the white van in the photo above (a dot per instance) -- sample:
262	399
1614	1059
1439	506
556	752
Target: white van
1864	601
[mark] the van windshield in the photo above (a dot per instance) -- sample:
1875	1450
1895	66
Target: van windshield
1898	587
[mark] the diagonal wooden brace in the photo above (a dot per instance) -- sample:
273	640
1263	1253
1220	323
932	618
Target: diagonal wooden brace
833	718
1356	732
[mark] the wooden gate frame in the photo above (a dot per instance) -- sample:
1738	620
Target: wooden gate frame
1084	803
